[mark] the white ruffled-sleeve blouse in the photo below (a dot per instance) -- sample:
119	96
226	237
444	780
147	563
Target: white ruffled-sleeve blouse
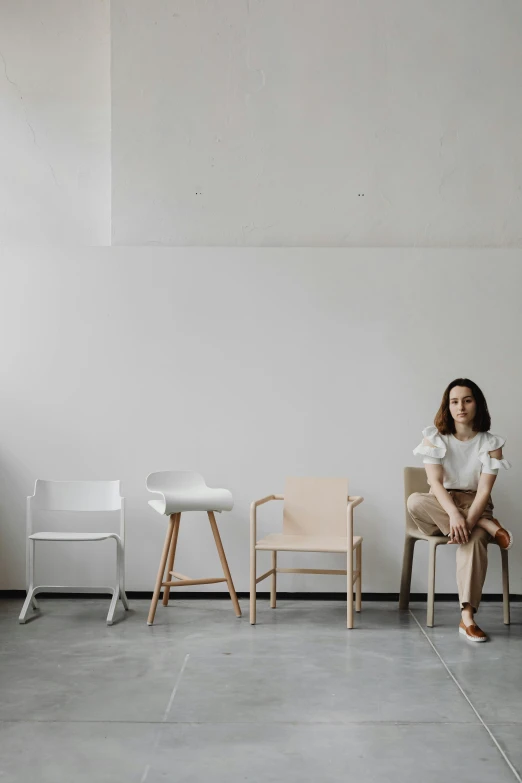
462	461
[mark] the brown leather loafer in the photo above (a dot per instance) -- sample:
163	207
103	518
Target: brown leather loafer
504	538
472	632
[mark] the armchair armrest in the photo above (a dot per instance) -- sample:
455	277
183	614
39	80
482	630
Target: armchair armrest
257	503
353	501
253	513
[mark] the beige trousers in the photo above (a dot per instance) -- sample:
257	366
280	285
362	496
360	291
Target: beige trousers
472	558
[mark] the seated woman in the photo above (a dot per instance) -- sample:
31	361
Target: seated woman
462	459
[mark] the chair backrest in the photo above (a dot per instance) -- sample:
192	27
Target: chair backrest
415	480
77	495
315	506
174	480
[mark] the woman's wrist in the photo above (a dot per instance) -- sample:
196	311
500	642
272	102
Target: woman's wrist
455	514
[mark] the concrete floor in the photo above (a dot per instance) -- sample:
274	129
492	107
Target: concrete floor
202	696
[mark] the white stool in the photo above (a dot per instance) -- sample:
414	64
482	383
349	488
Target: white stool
180	491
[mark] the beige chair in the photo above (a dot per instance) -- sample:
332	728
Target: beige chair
415	480
317	517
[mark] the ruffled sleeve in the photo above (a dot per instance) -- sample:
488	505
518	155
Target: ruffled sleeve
435	455
491	465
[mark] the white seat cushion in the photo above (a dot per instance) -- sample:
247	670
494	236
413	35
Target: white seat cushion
158	505
185	490
208	500
52	536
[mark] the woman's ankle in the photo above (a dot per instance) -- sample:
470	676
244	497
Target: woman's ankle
490	525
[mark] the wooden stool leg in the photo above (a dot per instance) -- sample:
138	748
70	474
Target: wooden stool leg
172	553
222	557
161	570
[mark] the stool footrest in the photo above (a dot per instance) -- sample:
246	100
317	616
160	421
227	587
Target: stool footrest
183	582
177	575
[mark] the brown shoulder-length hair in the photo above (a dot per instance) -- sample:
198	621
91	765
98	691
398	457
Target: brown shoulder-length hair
444	421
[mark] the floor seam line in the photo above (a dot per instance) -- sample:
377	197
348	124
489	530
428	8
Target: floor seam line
166	715
463	692
175	688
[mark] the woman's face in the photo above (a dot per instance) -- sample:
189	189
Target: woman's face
462	405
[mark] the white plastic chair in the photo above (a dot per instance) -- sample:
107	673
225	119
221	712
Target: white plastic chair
75	496
179	491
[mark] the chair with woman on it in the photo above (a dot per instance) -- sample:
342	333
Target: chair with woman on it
462	459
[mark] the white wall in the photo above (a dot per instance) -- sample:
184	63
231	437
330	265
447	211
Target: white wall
247	365
261	122
55	120
253	123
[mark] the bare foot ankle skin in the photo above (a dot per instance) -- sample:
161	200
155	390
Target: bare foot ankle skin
491	525
468	616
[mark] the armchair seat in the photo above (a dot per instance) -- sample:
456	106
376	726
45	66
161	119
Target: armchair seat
280	542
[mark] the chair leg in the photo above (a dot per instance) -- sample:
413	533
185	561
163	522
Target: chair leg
407	565
349	588
124	600
172	553
121	554
161	571
224	564
34	602
117	590
505	585
25	608
30	599
112	606
273	581
358	583
253	582
431	585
